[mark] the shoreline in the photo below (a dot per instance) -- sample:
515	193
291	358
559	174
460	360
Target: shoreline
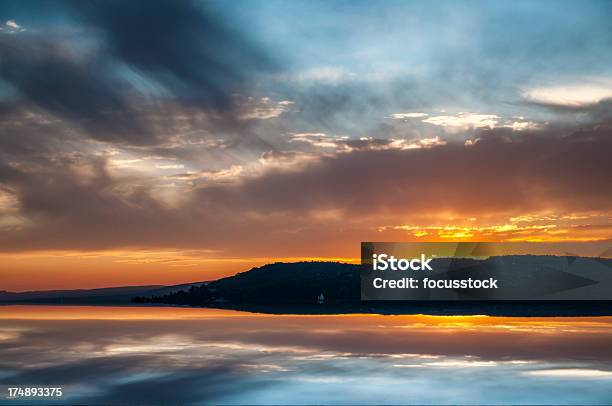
439	308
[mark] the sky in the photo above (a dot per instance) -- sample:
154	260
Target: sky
164	142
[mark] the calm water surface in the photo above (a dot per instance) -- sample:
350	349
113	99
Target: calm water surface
184	355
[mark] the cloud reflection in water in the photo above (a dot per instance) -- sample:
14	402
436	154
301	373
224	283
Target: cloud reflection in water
163	355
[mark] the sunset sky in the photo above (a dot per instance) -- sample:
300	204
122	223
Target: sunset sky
166	142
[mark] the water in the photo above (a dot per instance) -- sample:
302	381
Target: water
186	355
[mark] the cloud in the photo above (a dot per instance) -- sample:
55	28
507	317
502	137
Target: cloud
55	81
170	166
579	94
503	175
511	174
327	74
346	144
127	69
187	49
11	27
254	151
464	120
262	108
520	125
408	115
572	373
12	24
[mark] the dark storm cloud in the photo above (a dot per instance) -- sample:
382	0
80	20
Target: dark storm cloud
500	172
8	174
504	173
180	49
56	195
83	92
106	73
180	45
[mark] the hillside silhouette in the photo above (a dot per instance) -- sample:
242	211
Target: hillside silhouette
286	283
292	284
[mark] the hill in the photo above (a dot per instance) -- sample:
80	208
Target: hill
112	295
295	287
286	283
